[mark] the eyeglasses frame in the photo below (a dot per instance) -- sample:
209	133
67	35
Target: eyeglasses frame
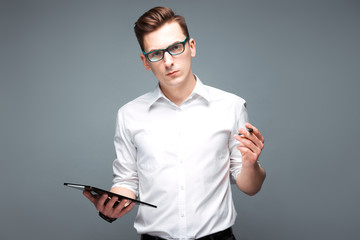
166	50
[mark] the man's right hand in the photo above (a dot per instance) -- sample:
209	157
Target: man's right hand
108	207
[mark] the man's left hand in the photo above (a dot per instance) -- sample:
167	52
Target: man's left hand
251	145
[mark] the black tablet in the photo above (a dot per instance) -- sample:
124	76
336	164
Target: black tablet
98	191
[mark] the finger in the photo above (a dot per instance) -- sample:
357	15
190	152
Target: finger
109	205
244	142
252	137
255	131
246	153
117	211
112	202
89	196
127	209
100	204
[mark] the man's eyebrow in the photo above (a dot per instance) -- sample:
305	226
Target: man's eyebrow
166	47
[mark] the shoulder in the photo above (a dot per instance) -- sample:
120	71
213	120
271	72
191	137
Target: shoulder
137	105
218	95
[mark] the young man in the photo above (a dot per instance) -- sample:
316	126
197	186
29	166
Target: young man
178	146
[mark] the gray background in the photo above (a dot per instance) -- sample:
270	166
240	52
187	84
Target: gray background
67	66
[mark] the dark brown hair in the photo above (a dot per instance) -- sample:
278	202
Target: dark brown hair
154	19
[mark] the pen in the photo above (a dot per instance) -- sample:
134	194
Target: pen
250	130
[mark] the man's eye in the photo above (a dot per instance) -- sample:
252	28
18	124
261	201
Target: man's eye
156	54
175	47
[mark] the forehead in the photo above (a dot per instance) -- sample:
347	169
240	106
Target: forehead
163	37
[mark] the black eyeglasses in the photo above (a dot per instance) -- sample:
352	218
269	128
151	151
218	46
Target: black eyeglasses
173	50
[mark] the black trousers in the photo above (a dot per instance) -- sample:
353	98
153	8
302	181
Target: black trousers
227	234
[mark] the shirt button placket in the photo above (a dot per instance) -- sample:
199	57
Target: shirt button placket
182	174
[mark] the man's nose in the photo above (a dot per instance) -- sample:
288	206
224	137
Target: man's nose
168	59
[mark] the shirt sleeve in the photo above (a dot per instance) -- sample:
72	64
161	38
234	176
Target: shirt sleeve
241	117
124	165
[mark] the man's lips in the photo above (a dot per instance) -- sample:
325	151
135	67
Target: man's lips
171	73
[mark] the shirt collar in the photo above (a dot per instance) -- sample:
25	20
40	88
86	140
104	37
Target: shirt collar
155	96
199	90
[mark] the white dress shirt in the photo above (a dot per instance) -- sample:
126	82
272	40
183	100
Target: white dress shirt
182	159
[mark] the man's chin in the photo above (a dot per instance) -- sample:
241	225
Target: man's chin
172	82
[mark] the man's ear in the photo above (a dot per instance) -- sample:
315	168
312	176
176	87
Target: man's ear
145	62
192	47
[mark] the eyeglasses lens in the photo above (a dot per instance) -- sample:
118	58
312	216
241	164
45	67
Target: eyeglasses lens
175	49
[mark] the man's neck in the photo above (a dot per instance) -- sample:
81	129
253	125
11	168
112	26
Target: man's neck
178	94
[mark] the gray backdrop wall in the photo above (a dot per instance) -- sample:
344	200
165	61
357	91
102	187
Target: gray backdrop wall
67	66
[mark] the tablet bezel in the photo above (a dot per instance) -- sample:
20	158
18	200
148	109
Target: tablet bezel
100	192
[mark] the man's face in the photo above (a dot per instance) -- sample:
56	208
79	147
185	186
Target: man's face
171	71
